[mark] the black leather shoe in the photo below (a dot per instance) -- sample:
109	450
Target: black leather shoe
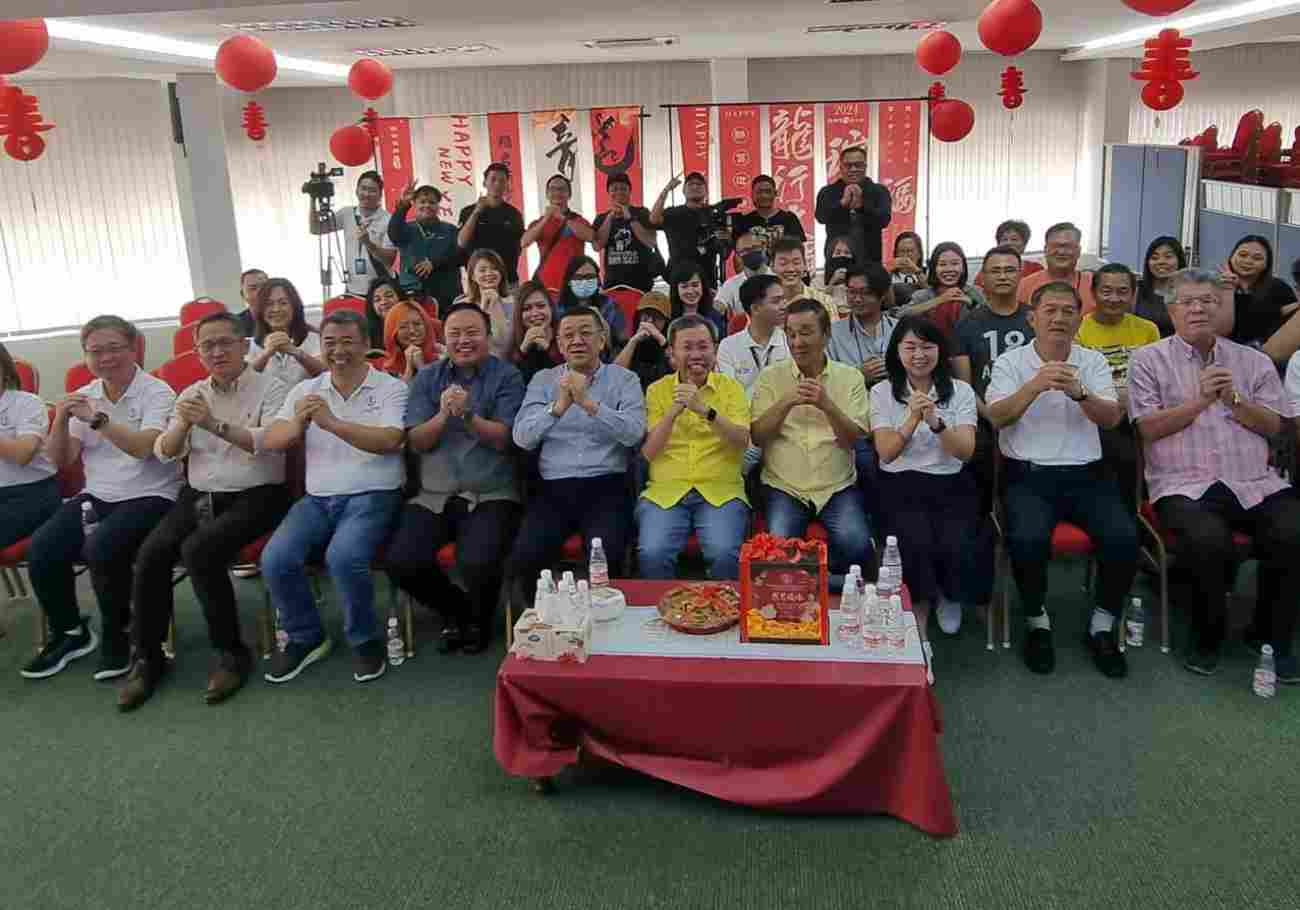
1040	654
1107	655
451	640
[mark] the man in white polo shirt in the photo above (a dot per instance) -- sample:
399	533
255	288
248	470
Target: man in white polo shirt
760	344
351	419
1048	399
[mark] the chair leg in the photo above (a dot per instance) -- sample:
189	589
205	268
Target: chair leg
9	584
266	625
1006	600
991	616
510	622
169	646
22	583
1164	604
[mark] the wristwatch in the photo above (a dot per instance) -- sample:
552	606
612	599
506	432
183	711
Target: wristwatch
98	420
938	430
712	415
222	428
1083	393
1237	399
551	411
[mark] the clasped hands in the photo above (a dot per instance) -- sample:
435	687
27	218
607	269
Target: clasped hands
315	409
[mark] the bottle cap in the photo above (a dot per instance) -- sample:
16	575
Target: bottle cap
1137	601
891	541
392	621
595	542
855	569
1266	651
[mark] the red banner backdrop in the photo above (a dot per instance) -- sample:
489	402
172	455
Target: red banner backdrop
454	170
739	150
616	149
790	132
693	124
395	161
503	147
900	141
848	123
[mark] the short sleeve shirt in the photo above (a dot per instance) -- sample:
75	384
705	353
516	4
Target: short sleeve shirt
359	265
1292	400
683	226
924	452
984	336
696	456
282	366
1117	342
499	229
24	414
781	224
111	474
627	259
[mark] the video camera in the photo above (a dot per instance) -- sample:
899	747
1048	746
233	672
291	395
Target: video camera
319	186
714	221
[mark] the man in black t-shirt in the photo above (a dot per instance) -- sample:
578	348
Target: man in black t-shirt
766	220
627	242
492	223
687	225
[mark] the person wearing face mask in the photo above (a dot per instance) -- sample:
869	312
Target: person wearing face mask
855	205
698	422
580	286
1164	259
430	255
750	259
1064	247
765	219
1261	302
625	239
950	295
646	352
532	345
689	291
492	223
560	233
923	425
367	249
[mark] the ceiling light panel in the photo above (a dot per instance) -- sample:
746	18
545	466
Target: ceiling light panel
323	24
425	51
915	25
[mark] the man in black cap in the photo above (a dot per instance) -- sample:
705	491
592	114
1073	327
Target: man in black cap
690	233
855	205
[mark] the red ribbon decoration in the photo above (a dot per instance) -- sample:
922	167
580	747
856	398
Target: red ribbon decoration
21	124
1166	65
254	121
1013	88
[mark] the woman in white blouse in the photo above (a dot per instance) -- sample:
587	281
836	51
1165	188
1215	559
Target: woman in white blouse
485	287
283	344
923	423
29	494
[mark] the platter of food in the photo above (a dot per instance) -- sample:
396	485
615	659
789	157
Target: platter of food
700	608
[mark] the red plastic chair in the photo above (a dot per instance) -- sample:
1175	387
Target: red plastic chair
199	308
627	298
183	371
1285	171
1266	153
183	339
737	322
77	375
29	378
1226	163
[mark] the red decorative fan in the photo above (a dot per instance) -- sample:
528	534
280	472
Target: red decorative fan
1164	68
254	121
21	124
1013	88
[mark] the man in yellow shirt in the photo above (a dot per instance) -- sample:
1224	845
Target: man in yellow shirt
790	265
810	411
698	424
1113	331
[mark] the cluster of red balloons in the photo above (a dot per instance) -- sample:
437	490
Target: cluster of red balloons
354	145
23	44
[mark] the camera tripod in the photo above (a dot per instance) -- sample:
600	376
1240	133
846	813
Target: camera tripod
329	245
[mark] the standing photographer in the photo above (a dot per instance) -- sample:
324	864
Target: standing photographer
367	251
692	232
855	205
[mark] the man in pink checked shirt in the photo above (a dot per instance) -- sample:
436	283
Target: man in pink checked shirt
1205	408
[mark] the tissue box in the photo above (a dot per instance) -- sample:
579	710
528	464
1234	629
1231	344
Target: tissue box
536	640
783	591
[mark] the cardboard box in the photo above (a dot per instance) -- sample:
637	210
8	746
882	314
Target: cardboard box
783	591
536	640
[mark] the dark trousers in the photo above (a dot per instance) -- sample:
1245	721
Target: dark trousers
1119	451
1038	497
980	466
25	507
482	536
935	520
206	549
109	553
1203	528
592	506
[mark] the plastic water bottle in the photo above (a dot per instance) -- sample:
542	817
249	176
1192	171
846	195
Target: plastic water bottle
1135	624
850	628
890	581
873	635
396	647
89	518
598	568
582	604
1265	674
896	630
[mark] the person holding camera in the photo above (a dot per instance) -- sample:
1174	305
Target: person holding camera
368	252
855	205
430	254
692	233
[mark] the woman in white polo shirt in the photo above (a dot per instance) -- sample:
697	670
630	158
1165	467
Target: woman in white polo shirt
923	423
111	425
29	494
283	344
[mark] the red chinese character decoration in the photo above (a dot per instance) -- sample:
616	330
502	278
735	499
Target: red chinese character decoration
1164	68
254	121
1010	27
21	125
1013	88
936	91
370	121
938	52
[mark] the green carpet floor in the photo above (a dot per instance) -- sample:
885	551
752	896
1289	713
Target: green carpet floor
1165	790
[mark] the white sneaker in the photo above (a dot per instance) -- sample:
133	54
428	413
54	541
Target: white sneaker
949	616
929	662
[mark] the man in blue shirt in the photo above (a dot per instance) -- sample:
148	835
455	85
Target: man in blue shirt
430	255
586	418
458	420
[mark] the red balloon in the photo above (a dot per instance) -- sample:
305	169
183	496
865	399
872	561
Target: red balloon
1162	95
938	52
951	120
1157	7
370	79
1010	27
23	42
352	146
245	63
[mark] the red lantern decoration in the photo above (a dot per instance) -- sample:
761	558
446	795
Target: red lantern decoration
1010	27
1157	7
951	120
23	42
21	124
1166	64
245	63
370	79
352	146
1013	88
370	121
938	52
254	121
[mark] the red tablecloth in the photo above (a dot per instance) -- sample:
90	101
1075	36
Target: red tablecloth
801	736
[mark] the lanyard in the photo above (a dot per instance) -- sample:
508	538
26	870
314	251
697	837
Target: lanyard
872	345
767	357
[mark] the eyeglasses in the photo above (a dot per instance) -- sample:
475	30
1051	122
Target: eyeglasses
107	350
218	344
1208	301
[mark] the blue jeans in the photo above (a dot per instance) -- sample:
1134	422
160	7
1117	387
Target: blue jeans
349	529
662	534
846	525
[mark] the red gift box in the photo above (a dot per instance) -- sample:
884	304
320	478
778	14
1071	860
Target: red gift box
783	591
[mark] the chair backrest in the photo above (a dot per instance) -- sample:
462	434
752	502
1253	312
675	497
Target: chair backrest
627	298
29	378
739	320
200	307
77	375
1210	138
1295	147
183	339
182	371
1270	143
355	304
1248	128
